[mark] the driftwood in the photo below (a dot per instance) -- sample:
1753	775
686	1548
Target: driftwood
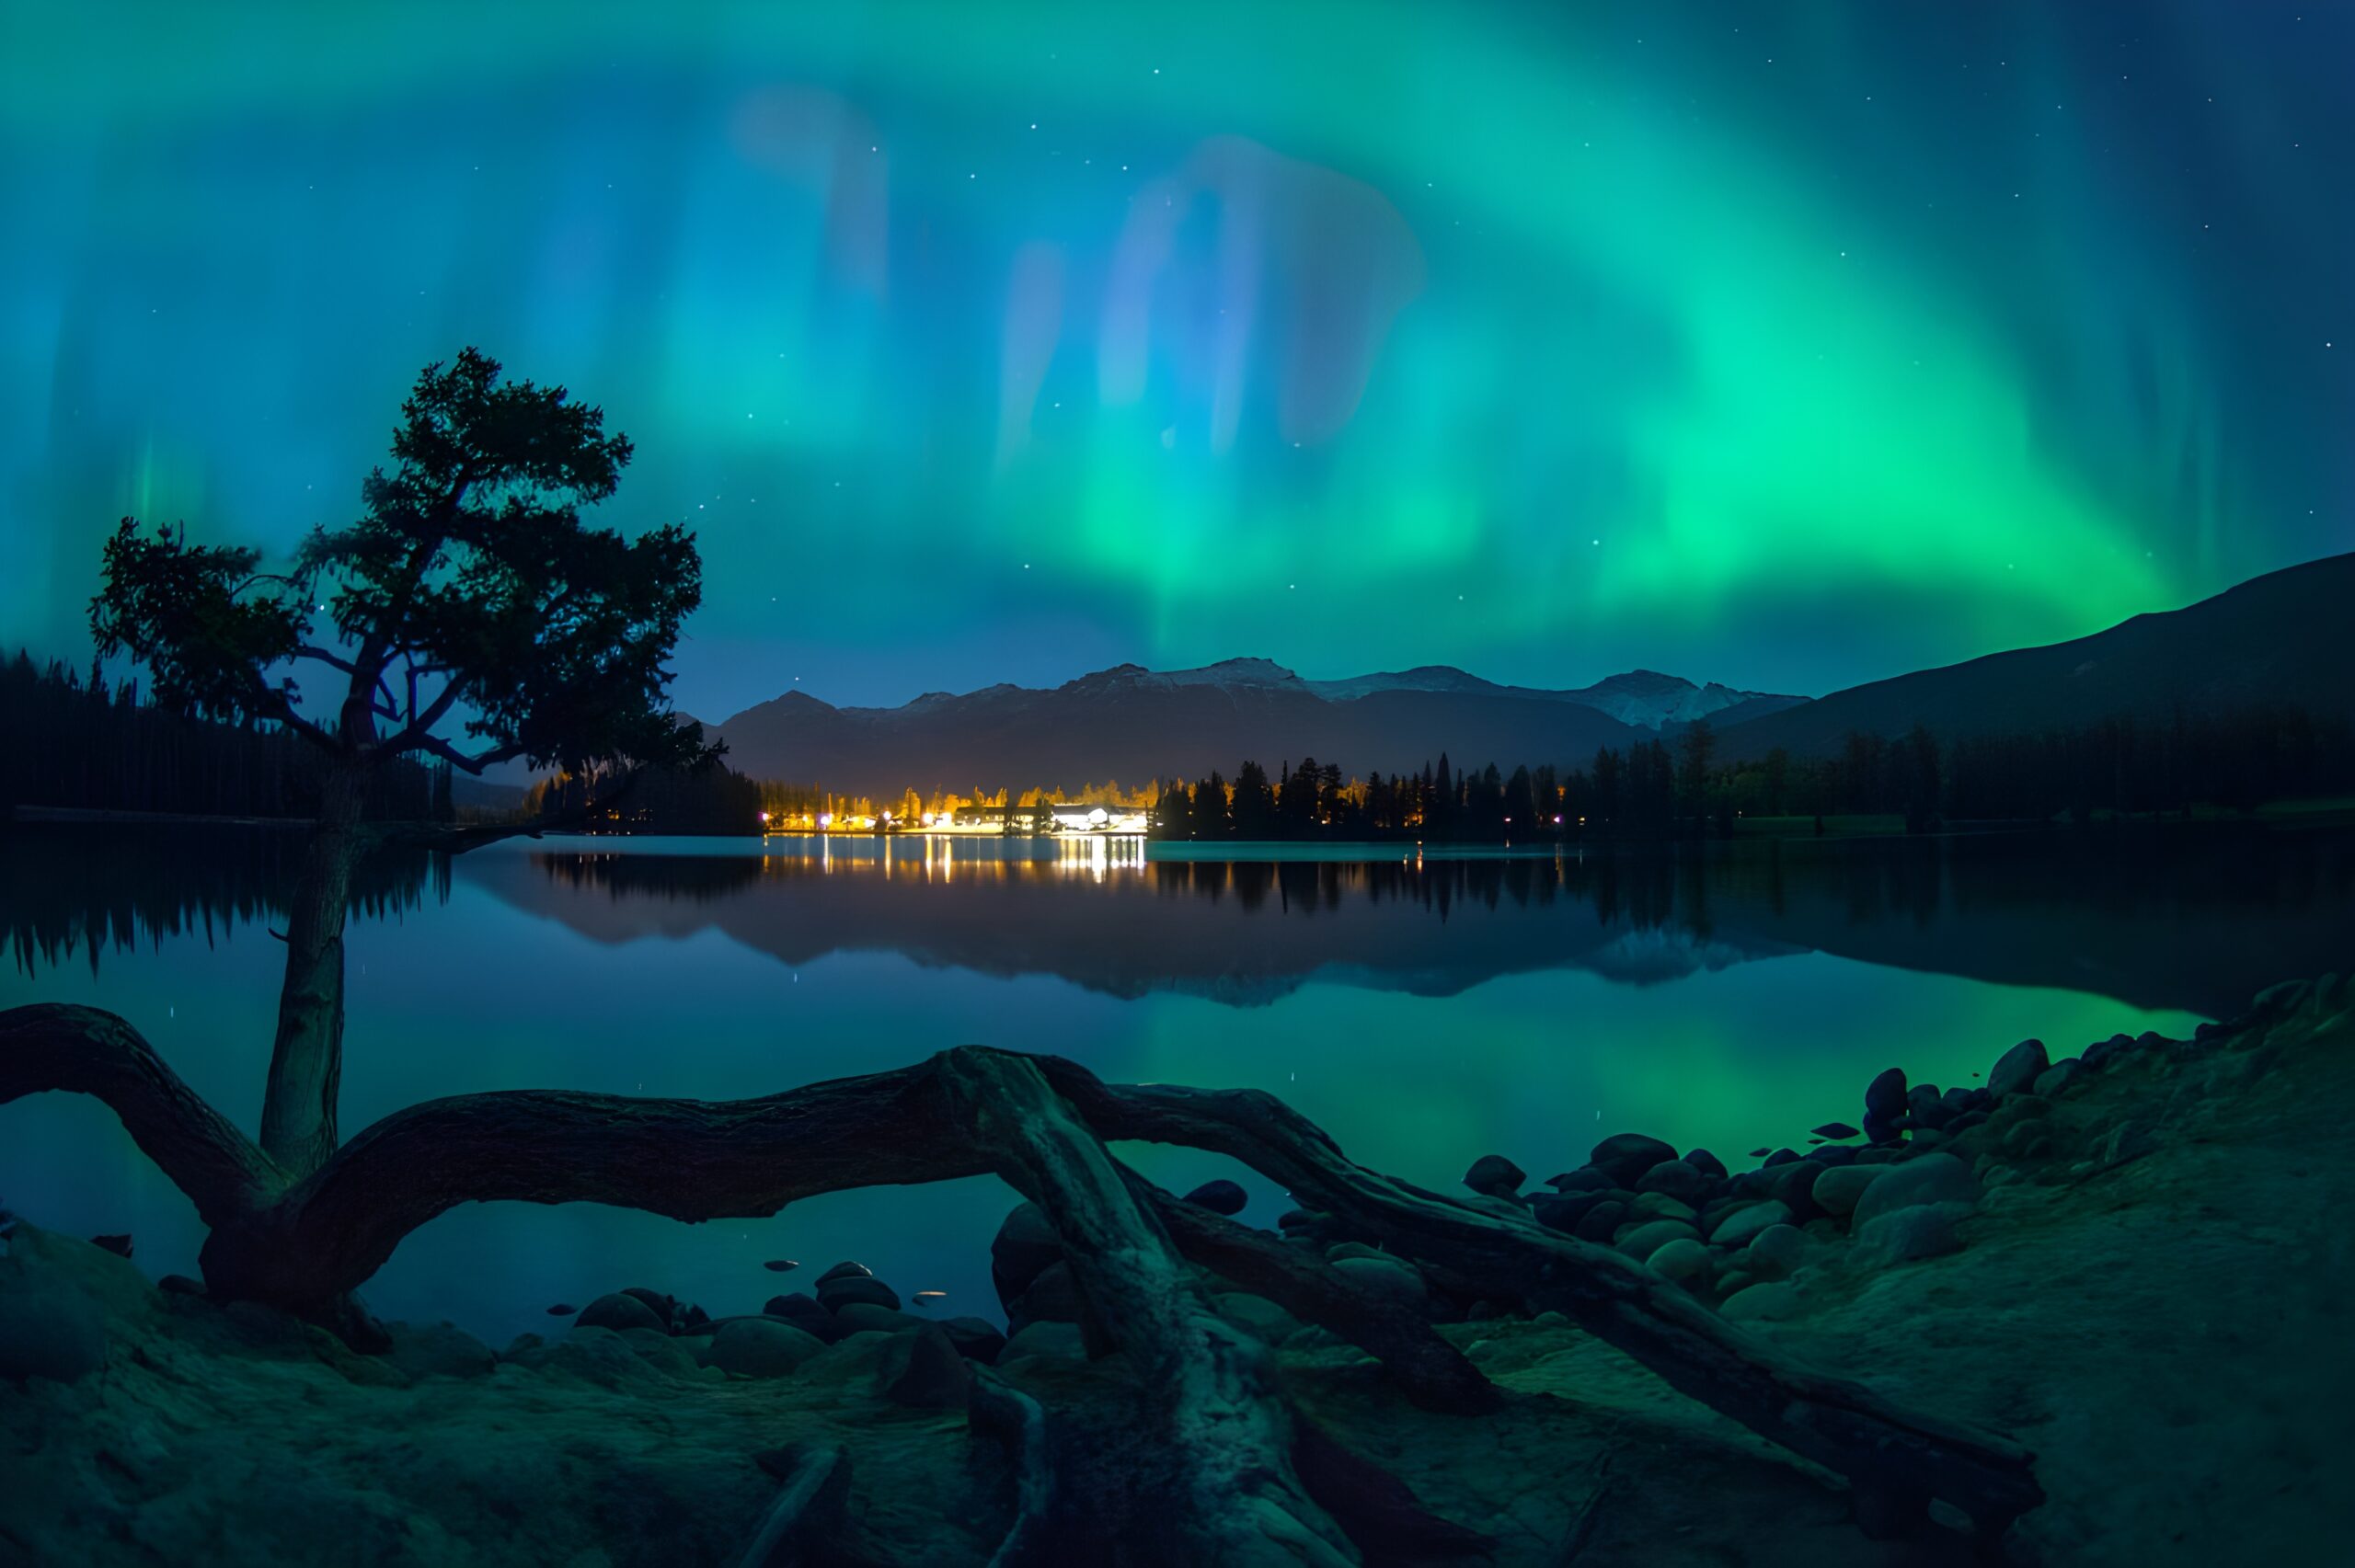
1019	1424
801	1526
1041	1122
1219	1486
1882	1446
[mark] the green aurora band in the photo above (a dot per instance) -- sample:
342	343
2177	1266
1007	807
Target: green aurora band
1790	347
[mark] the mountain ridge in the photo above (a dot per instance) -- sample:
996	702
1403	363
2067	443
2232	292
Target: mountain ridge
2278	639
1133	723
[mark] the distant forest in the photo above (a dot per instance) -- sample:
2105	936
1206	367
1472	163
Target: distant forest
1651	790
67	742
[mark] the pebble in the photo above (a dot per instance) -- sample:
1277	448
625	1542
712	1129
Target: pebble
623	1310
662	1304
1836	1191
866	1317
2059	1076
1763	1303
1775	1251
848	1289
562	1309
976	1339
1393	1277
1493	1175
1835	1129
1648	1238
1738	1229
757	1347
780	1266
1659	1206
1024	1245
1683	1260
1599	1223
1926	1109
1625	1156
1220	1197
1674	1178
922	1370
800	1308
1885	1095
1934	1178
1793	1187
2017	1068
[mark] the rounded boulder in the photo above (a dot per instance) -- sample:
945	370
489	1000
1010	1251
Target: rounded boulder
1625	1156
622	1309
758	1347
1932	1178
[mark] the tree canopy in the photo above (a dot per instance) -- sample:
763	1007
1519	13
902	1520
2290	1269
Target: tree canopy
468	593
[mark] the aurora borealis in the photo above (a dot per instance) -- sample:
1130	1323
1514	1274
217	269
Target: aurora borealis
1785	345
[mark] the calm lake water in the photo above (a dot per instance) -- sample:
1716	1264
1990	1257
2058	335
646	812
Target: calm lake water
1424	1009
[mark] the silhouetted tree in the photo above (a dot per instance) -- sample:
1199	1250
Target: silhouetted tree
471	616
1254	803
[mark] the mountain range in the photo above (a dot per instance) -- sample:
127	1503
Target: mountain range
1135	724
2279	639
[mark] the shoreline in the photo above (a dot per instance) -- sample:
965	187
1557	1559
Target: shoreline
2047	1225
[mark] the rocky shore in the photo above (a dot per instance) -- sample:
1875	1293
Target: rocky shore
2119	1255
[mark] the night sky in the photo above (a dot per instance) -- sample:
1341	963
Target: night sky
1788	345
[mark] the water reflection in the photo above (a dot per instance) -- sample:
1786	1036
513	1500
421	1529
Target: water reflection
2195	919
73	894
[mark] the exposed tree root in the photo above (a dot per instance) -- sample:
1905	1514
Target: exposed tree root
1042	1123
801	1527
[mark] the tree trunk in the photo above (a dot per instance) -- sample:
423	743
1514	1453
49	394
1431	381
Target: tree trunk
298	1126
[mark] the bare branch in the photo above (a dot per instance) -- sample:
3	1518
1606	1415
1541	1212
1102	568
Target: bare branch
83	1050
418	731
335	662
457	758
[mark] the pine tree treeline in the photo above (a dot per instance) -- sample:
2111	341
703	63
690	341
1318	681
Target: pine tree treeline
1656	789
712	799
64	742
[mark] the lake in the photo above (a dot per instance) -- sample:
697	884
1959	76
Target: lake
1424	1008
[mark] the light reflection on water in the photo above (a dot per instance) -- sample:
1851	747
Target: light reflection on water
1426	1009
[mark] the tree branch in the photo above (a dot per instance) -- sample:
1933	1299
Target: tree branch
696	1160
455	757
308	650
82	1050
270	703
415	734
